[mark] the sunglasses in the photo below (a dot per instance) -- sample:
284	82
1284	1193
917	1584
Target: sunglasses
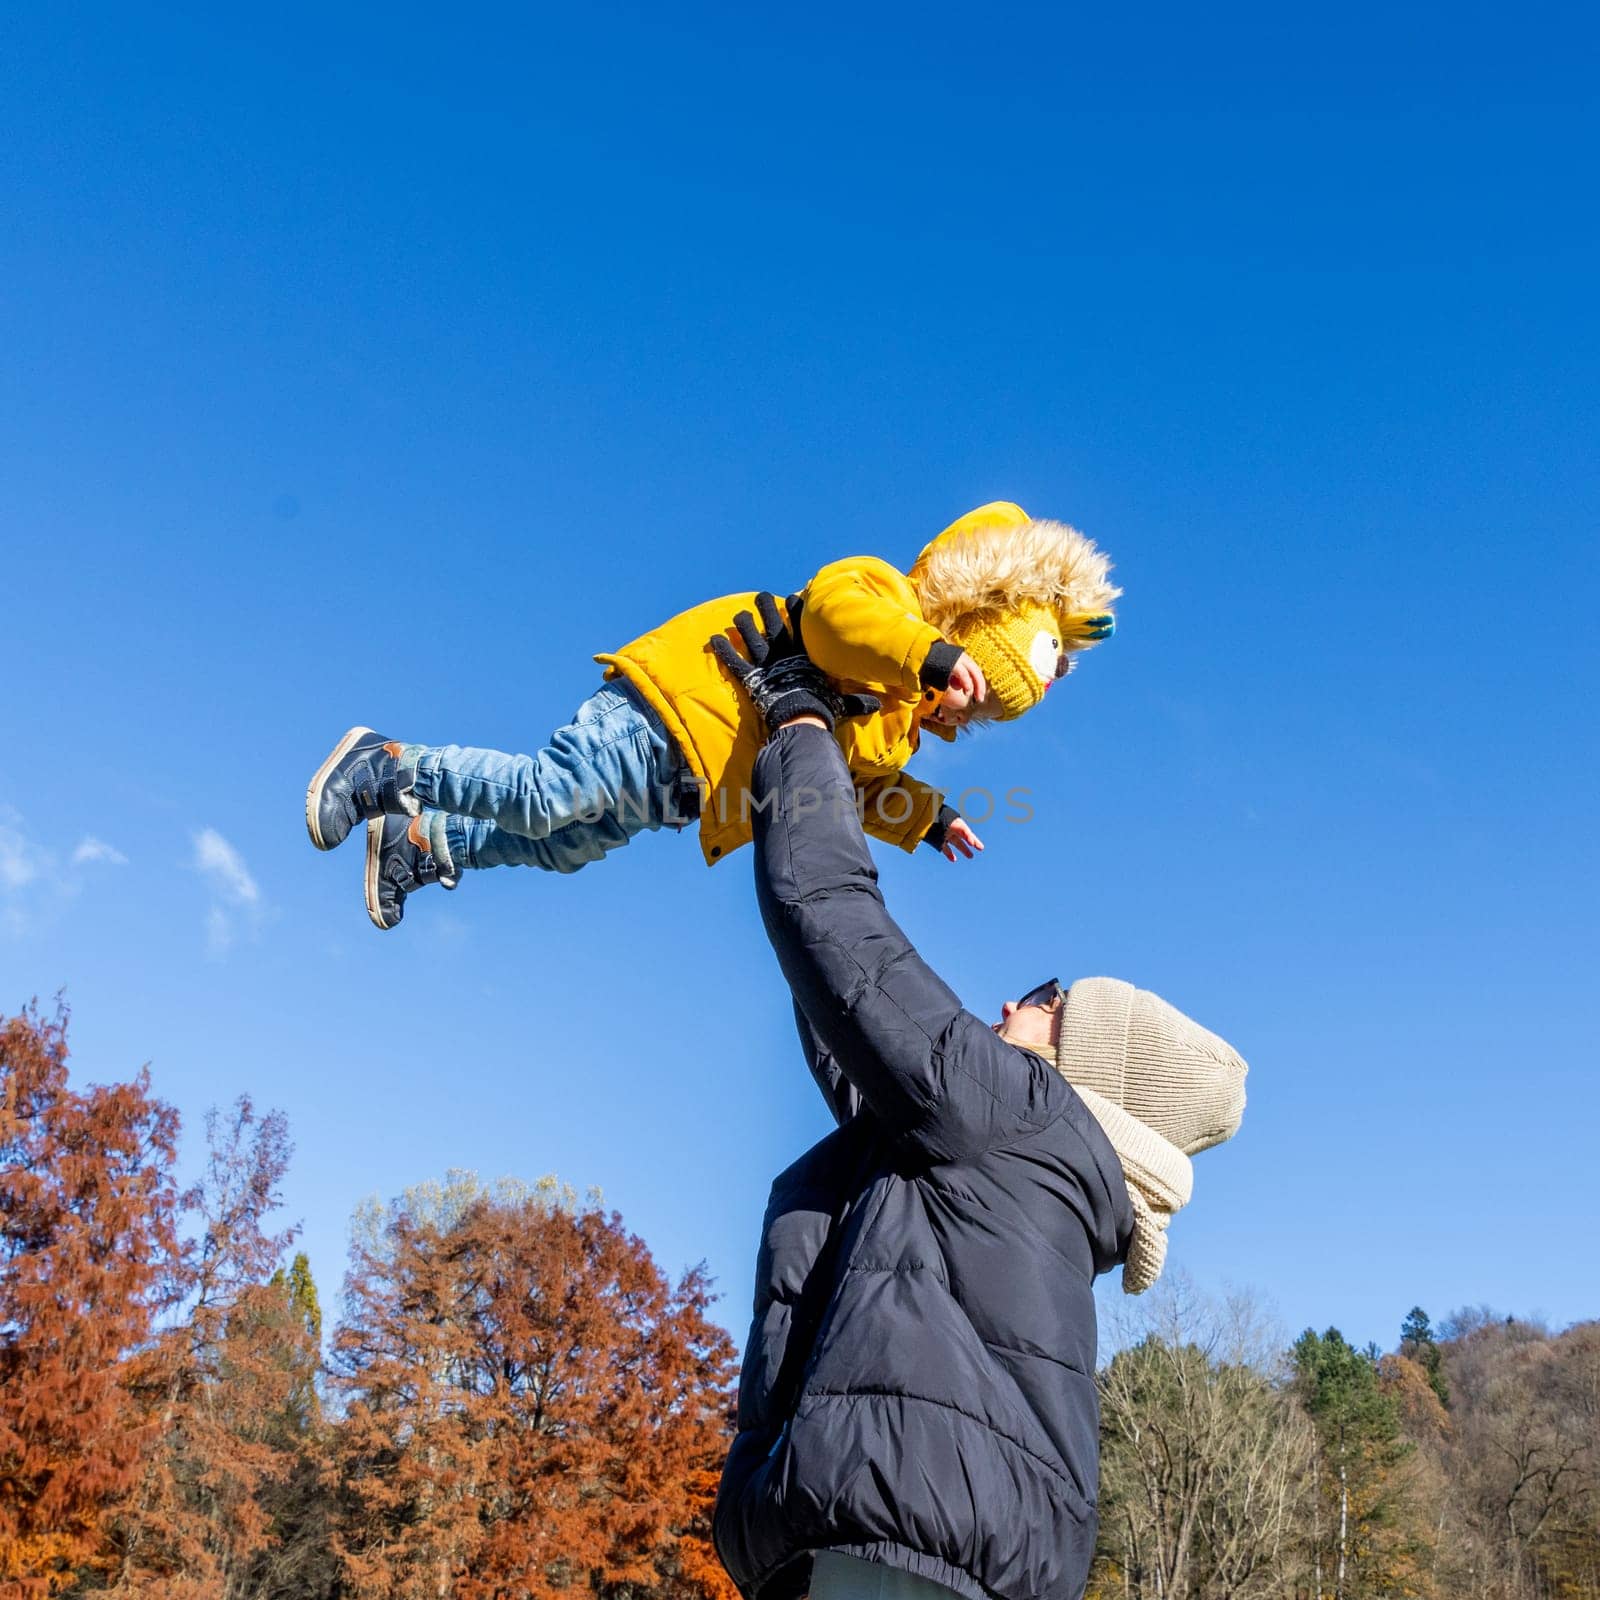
1045	995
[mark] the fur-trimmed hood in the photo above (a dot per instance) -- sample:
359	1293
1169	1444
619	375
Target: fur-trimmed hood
997	559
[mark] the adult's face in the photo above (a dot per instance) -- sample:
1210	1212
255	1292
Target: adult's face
1035	1025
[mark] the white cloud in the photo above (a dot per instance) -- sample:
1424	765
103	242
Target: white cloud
27	876
37	883
19	865
234	893
93	849
225	868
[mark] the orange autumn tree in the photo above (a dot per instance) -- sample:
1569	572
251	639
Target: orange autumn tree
695	1571
87	1205
530	1407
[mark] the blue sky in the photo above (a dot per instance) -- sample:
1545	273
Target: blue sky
384	365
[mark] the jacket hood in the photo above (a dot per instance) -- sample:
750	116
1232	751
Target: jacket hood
997	560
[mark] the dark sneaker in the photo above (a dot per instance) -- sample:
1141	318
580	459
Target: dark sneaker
399	863
360	779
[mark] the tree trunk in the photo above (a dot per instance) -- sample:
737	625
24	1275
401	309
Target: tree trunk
1316	1523
1344	1529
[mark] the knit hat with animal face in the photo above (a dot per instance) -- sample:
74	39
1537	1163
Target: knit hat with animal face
1019	596
1162	1087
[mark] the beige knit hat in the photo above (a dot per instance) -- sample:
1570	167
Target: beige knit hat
1162	1087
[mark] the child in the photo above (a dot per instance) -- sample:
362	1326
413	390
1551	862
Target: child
988	618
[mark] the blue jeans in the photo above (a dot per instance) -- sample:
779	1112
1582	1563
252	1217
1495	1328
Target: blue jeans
612	772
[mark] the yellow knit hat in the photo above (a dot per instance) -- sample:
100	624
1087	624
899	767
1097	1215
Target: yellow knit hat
1019	595
1162	1087
1020	654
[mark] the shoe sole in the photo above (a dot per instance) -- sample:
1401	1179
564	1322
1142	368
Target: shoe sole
320	781
374	858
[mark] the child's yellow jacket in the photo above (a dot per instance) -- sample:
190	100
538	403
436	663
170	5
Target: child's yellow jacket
862	625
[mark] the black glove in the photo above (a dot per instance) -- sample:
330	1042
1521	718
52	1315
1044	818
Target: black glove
780	678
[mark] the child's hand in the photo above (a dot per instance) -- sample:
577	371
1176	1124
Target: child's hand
959	836
966	677
963	695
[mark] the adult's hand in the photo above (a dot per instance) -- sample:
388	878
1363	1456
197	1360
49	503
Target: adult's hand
782	682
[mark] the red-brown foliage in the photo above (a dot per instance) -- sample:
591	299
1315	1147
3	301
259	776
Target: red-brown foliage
87	1206
524	1404
531	1407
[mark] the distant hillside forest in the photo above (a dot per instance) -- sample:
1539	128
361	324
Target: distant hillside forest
514	1403
1464	1464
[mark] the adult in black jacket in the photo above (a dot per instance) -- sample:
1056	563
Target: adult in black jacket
918	1386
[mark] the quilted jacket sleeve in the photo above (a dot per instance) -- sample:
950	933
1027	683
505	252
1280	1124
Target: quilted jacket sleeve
900	809
861	623
936	1076
837	1090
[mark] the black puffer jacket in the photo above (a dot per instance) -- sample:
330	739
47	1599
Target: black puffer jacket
918	1386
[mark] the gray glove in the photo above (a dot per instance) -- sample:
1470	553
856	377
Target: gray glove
779	677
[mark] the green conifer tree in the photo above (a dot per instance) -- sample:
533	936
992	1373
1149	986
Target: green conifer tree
1417	1344
1359	1444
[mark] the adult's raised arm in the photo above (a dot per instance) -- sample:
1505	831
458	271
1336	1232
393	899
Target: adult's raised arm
837	1091
935	1075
